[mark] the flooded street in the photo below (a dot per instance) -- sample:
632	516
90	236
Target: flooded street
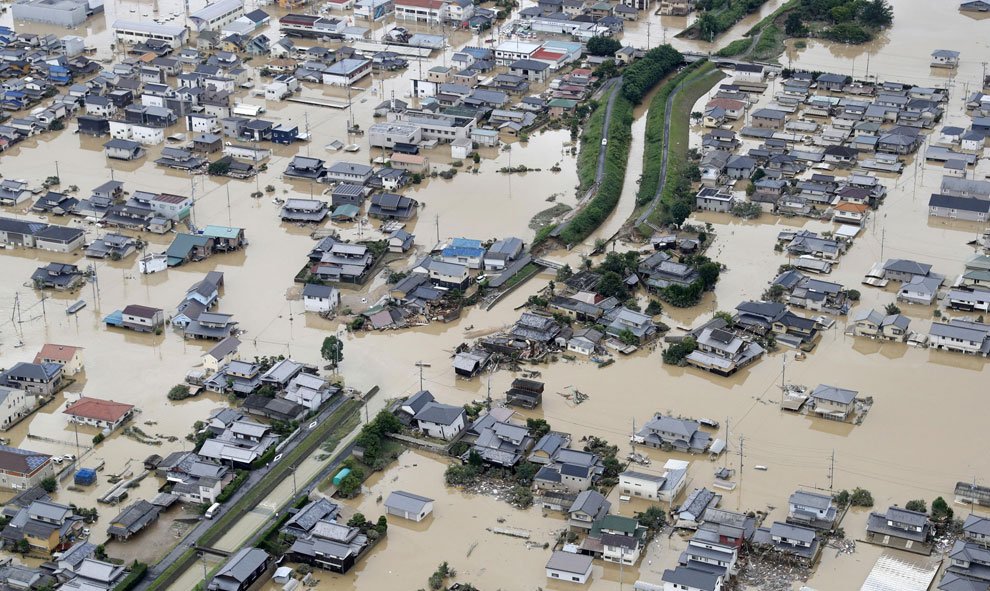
921	396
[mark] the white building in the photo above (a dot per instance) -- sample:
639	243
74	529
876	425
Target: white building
568	566
511	51
152	263
639	484
441	421
346	72
133	32
15	404
421	11
320	298
408	506
216	15
221	354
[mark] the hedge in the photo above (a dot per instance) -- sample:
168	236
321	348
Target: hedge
653	144
644	74
137	574
601	205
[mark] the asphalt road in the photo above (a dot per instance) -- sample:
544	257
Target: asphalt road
664	160
195	533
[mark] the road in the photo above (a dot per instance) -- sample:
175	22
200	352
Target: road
195	533
603	149
664	153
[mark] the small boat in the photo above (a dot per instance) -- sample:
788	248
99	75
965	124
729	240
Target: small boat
352	148
709	423
800	356
76	307
761	467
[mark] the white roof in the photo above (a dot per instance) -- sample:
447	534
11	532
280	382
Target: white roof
212	11
140	27
894	574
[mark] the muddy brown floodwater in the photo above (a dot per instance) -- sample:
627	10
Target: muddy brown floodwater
917	441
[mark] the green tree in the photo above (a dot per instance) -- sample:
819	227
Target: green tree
941	511
332	350
49	484
709	273
601	45
853	295
793	26
607	69
382	526
842	498
612	285
877	13
627	337
525	471
219	168
653	518
861	497
357	520
676	352
564	273
537	427
474	459
892	309
654	308
679	212
22	546
916	505
179	392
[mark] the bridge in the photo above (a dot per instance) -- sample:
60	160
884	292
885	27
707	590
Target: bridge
549	264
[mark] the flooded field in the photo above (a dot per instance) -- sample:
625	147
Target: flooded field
920	396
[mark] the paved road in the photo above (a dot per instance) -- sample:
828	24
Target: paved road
603	149
195	533
664	160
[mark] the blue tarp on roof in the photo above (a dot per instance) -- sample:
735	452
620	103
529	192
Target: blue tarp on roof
115	318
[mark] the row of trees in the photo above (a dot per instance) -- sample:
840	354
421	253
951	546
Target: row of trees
644	74
850	21
720	15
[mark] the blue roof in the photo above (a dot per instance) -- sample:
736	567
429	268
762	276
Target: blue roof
454	251
115	318
465	243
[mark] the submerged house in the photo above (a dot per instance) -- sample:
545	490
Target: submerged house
679	434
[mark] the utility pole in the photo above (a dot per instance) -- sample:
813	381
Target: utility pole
228	204
883	238
421	365
831	472
437	219
648	25
489	391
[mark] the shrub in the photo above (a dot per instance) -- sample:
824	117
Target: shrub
916	505
49	484
676	352
179	392
861	497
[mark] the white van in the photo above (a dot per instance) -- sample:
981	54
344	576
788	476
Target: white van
213	510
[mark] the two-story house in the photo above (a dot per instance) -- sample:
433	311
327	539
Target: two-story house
901	529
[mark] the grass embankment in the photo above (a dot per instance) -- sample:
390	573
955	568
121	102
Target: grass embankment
677	198
653	142
765	49
718	16
312	440
843	21
591	140
601	205
638	80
